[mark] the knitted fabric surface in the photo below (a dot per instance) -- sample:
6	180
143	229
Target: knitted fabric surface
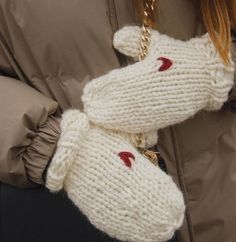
121	192
176	80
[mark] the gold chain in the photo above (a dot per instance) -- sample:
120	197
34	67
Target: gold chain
148	18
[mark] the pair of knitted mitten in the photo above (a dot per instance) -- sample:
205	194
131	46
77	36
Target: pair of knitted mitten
120	191
176	80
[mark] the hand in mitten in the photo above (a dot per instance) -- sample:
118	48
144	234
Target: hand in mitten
120	192
176	80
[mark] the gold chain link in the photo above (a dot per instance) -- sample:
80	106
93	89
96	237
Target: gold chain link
148	18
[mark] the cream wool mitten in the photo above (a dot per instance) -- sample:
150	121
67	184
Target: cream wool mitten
120	192
176	80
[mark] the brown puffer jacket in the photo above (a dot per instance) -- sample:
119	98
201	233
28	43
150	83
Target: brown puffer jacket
49	49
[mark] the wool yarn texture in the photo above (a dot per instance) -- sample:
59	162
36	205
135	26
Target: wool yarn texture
121	192
175	81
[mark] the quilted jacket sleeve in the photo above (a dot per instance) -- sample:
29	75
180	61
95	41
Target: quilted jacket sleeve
29	131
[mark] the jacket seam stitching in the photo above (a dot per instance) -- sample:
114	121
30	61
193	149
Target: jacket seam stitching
111	5
181	181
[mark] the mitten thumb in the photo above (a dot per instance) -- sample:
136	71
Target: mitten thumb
127	41
74	128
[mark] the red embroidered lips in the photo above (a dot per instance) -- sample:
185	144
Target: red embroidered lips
126	157
166	63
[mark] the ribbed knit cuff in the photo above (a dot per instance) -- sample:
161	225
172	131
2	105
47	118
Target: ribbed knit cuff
222	83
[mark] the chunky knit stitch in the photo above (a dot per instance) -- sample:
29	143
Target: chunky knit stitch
143	97
136	202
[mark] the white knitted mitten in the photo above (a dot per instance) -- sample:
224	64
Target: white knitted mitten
120	192
176	80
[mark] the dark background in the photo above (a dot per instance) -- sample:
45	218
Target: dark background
35	215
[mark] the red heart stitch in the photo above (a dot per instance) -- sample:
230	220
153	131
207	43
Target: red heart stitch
126	156
167	63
